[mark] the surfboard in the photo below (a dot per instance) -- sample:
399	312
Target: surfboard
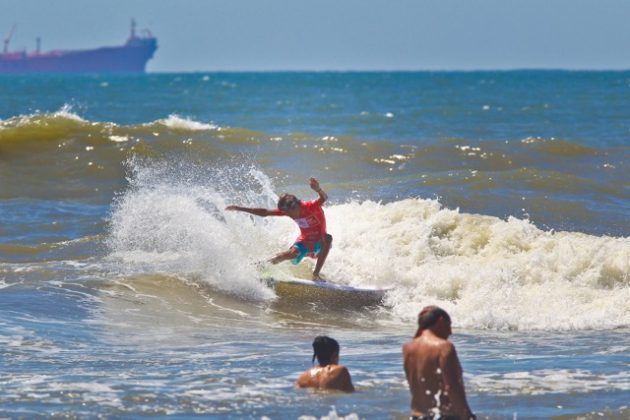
294	288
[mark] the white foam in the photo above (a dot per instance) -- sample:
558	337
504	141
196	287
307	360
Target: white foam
181	123
66	112
546	381
487	272
119	139
170	222
332	415
4	284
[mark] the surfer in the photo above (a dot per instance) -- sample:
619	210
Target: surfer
433	370
313	241
329	374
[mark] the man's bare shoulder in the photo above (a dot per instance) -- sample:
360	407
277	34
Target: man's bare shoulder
338	377
337	371
421	342
305	380
428	347
447	347
448	350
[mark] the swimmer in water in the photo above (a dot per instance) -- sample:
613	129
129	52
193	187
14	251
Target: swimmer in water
433	370
329	374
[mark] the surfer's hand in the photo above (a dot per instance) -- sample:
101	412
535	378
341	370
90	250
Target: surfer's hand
232	208
315	184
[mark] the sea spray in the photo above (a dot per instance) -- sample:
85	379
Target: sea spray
172	219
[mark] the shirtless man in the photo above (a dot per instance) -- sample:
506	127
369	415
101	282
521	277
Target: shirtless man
433	370
329	374
313	241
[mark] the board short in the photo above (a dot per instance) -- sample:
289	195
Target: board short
305	251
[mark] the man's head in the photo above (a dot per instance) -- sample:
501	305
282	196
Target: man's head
288	203
326	350
436	319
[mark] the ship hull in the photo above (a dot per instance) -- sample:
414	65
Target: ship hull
123	59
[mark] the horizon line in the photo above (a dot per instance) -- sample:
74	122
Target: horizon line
506	70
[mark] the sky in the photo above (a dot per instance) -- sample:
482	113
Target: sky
265	35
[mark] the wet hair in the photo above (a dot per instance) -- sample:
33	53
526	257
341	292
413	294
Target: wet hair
284	201
324	348
428	316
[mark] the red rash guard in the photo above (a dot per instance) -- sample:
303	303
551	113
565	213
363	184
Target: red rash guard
311	221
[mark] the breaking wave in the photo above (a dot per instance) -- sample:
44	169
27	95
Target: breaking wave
488	272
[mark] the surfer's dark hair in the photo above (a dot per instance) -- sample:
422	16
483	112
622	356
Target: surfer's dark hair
286	200
428	316
324	348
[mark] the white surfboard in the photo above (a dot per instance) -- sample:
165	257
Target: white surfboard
294	288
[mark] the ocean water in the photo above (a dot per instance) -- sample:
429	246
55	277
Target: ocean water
126	290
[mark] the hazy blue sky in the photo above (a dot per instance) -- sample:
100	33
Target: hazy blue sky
339	34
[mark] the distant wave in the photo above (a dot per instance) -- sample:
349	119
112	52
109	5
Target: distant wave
66	115
549	178
182	123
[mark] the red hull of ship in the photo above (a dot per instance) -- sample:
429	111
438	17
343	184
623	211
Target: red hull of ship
129	58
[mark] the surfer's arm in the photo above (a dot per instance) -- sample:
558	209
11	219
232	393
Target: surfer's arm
322	194
255	211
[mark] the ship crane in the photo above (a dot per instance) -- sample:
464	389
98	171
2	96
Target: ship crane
132	35
5	50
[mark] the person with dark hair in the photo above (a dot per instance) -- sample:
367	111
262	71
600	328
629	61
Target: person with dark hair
313	241
329	374
433	370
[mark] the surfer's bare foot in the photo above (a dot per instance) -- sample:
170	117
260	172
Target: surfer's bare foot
317	277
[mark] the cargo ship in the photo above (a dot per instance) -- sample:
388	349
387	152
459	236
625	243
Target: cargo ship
131	57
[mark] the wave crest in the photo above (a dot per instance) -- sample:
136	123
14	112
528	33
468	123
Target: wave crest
177	122
491	273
